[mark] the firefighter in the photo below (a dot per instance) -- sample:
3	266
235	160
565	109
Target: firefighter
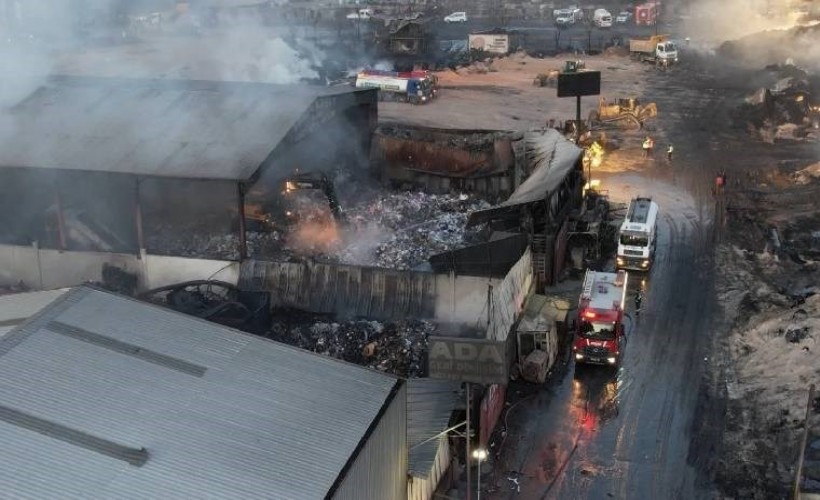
720	182
669	150
638	300
647	144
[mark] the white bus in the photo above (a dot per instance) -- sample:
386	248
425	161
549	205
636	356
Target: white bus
638	234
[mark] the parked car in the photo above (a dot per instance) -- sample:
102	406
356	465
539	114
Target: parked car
456	17
623	17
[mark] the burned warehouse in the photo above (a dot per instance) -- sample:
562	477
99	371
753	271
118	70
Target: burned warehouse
166	167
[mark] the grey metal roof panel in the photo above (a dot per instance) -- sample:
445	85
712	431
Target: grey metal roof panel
188	129
554	157
265	420
430	404
15	308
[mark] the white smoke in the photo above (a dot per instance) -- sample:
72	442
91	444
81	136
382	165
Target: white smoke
762	31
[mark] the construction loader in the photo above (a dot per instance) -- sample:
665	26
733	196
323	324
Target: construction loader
627	113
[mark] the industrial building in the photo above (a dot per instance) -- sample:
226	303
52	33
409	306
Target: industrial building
115	165
107	397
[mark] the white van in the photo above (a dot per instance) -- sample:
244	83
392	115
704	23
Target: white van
602	18
638	235
456	17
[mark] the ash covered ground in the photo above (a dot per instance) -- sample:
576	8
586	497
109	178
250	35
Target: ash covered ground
768	270
773	354
396	347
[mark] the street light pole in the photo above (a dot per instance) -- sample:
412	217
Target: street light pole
467	454
480	455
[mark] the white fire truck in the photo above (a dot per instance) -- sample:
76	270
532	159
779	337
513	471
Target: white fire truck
638	235
599	331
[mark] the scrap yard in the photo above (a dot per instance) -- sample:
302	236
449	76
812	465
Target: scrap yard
490	250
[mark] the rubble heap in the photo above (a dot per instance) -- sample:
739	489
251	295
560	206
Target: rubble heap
396	347
408	227
788	109
395	230
171	241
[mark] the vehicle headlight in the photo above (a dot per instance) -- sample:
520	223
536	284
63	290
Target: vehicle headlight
579	356
644	263
611	360
620	260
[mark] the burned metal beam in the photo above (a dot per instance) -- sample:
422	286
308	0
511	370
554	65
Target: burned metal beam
243	235
138	218
58	202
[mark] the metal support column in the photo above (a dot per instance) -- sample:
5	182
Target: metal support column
138	218
243	241
58	201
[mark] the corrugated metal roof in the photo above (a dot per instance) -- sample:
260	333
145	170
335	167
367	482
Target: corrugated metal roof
169	128
430	404
15	308
264	420
554	157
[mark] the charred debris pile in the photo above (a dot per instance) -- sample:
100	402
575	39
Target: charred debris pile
392	229
788	109
402	230
396	347
787	106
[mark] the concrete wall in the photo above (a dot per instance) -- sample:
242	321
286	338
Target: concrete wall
462	299
343	289
379	472
389	294
43	269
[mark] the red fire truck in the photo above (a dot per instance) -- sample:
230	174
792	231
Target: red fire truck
647	14
599	332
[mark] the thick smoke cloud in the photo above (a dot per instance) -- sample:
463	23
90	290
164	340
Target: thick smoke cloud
760	32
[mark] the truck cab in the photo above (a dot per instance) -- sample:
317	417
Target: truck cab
637	237
599	329
666	52
602	18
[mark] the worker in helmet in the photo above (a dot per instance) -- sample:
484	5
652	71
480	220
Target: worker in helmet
669	150
647	145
